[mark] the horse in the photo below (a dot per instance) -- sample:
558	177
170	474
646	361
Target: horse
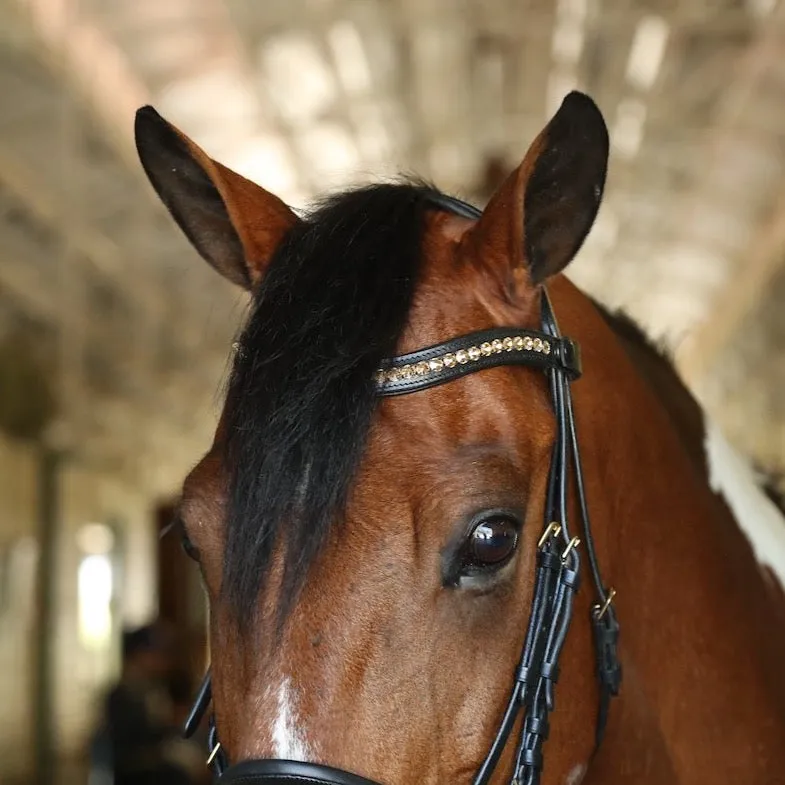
428	433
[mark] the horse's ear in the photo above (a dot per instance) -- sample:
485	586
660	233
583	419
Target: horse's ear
233	223
539	218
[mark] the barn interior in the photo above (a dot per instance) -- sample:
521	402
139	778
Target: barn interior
115	337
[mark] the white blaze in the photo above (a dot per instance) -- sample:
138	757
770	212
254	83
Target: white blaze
288	739
576	775
756	515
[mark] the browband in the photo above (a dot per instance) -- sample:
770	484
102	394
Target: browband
475	351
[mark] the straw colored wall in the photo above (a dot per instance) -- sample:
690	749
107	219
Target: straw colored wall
81	673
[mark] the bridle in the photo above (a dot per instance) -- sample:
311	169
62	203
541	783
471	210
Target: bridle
558	560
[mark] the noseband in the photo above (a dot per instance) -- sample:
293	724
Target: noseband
557	572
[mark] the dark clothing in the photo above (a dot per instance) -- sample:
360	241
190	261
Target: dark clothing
138	727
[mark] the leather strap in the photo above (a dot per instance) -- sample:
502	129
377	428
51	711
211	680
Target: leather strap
605	626
289	772
556	583
458	357
203	698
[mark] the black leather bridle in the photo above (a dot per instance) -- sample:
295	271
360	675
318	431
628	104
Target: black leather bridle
558	562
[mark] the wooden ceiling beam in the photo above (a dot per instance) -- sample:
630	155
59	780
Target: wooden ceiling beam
737	298
760	262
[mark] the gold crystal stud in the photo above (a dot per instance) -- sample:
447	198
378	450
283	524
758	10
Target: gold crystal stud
537	345
462	356
517	342
421	368
527	343
474	353
393	375
546	347
507	343
436	364
486	348
449	360
497	345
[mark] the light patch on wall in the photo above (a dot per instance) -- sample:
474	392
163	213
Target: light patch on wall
569	31
627	133
350	58
373	132
95	585
297	78
647	52
95	538
330	151
761	8
560	82
265	159
95	596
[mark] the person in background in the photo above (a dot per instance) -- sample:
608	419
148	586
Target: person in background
139	716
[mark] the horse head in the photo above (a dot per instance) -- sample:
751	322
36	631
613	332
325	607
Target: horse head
391	520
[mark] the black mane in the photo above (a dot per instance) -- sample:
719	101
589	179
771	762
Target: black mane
332	305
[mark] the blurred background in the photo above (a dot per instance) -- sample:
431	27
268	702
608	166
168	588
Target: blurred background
114	336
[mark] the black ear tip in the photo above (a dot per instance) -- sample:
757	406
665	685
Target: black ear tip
576	102
146	119
576	96
578	110
153	134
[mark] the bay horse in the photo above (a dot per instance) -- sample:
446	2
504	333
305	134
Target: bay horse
393	519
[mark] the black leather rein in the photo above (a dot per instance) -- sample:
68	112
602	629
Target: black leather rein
558	561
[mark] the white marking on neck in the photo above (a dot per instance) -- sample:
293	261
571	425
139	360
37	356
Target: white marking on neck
288	739
756	515
576	775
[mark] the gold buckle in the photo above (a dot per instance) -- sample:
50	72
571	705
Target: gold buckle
573	543
603	609
553	528
211	758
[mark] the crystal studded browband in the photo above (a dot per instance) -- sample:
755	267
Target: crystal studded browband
473	352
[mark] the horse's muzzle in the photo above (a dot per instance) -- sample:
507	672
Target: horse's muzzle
288	772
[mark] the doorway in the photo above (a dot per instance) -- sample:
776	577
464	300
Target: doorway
182	603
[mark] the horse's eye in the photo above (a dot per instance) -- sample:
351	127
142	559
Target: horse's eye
492	541
190	549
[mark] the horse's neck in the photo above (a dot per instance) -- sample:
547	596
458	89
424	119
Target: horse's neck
724	472
703	623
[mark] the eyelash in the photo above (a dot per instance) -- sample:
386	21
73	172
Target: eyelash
178	526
